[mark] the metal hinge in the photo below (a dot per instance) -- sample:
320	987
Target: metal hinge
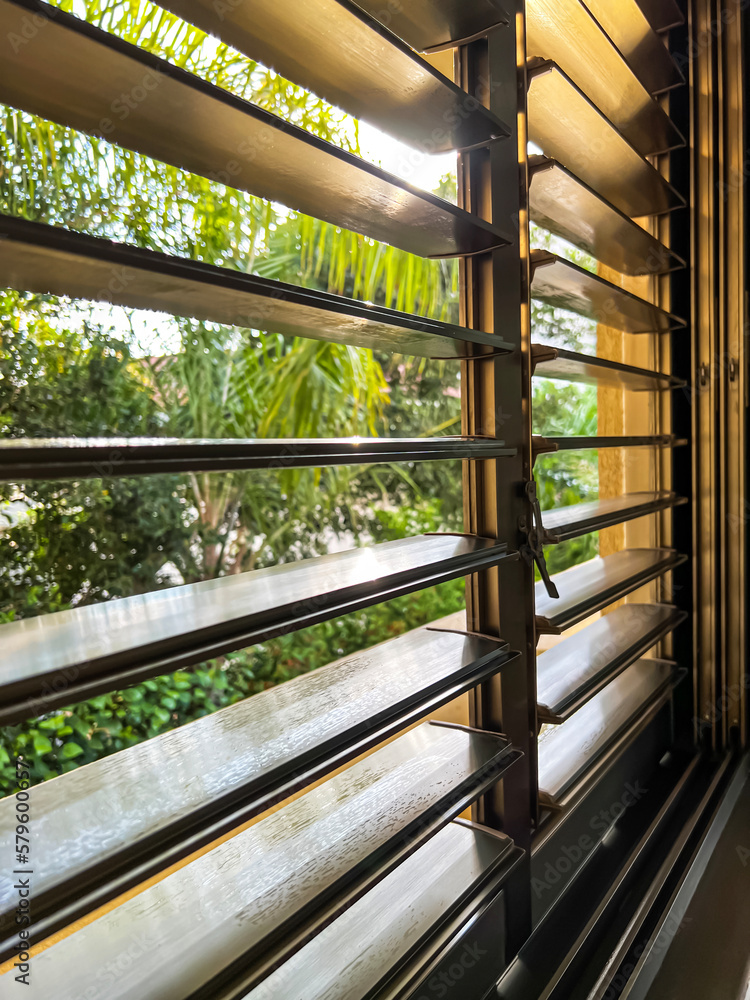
541	353
541	446
537	537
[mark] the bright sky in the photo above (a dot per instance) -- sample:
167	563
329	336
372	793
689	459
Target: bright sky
419	169
156	332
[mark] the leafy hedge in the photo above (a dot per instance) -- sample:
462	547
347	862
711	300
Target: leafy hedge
81	733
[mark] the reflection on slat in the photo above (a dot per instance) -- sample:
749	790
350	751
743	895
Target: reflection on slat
81	458
564	523
661	14
75	74
234	914
707	900
567	127
593	585
564	32
567	286
567	751
581	443
120	820
572	672
46	259
106	646
342	54
398	915
621	844
554	362
645	52
561	203
437	24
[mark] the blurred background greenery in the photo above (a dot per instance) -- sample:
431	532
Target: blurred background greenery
83	369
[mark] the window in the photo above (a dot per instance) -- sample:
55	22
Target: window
345	575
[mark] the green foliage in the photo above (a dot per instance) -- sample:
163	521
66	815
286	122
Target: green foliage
79	734
568	477
80	540
571	553
75	369
554	326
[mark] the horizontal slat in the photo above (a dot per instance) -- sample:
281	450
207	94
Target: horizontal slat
234	914
645	52
564	32
567	751
40	258
661	14
376	934
555	362
81	458
646	740
437	24
618	846
76	74
702	890
564	285
593	585
344	55
564	523
100	647
624	854
567	127
581	443
106	827
397	921
573	671
567	207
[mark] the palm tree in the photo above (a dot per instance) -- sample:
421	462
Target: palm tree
222	382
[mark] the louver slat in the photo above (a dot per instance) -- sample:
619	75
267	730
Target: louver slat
568	128
564	285
573	671
438	24
397	929
262	894
338	51
581	443
147	807
645	52
81	458
564	32
564	523
661	14
555	362
566	752
76	75
563	204
68	655
38	258
593	585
